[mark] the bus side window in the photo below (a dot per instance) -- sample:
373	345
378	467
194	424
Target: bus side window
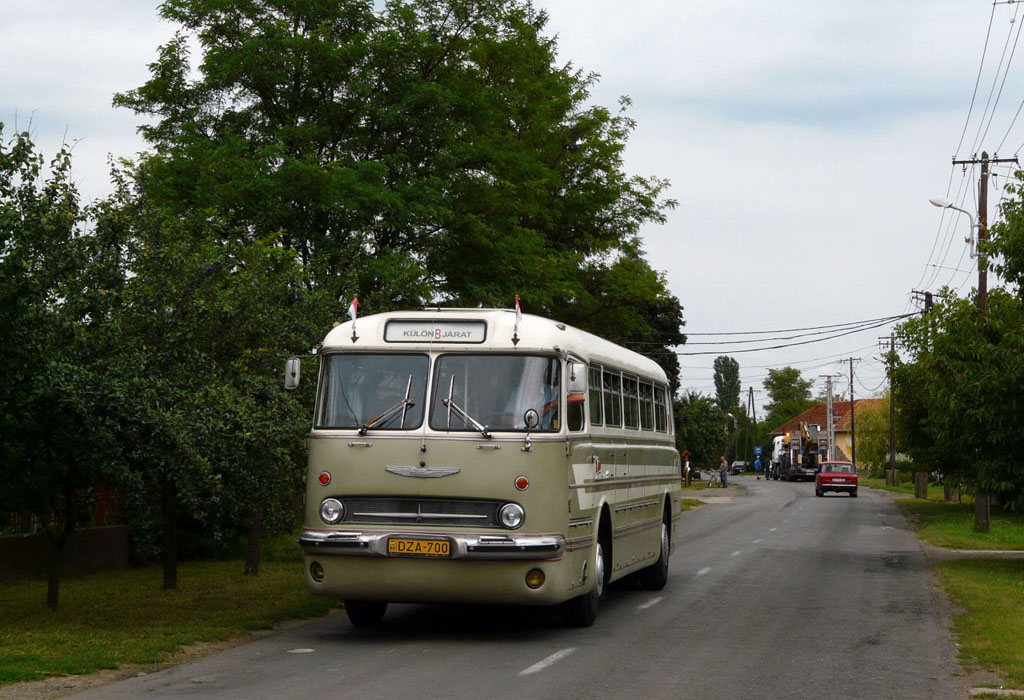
660	414
594	396
612	399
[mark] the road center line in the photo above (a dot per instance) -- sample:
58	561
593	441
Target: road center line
773	529
737	553
550	661
703	571
650	603
758	541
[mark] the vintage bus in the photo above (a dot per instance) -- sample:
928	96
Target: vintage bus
473	455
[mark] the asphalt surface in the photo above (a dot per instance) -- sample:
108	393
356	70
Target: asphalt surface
773	593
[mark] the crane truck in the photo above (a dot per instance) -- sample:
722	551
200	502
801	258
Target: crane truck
797	455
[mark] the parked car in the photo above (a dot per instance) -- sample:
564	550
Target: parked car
739	466
836	476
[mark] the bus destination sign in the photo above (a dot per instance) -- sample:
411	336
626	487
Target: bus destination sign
435	332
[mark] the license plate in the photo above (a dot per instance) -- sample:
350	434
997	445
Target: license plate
410	547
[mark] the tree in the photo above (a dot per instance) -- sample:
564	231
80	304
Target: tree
58	406
429	152
960	397
727	382
873	434
698	421
789	395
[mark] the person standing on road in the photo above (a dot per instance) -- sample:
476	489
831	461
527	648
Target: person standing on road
723	472
757	467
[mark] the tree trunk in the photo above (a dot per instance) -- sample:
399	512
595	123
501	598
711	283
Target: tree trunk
921	485
169	520
53	574
981	513
253	539
947	491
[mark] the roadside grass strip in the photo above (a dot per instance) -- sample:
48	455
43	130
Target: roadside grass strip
951	525
991	628
686	504
123	617
935	492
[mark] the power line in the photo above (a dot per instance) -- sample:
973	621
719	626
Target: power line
803	342
808	328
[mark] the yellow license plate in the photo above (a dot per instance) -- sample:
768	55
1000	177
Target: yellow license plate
410	547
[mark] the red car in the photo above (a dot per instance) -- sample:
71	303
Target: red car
836	476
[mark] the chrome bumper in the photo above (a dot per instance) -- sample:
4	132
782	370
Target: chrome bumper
375	544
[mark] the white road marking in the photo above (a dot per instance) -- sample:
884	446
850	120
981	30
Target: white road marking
758	541
550	661
703	571
736	553
300	651
773	529
650	603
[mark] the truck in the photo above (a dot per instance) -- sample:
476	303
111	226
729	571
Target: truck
797	455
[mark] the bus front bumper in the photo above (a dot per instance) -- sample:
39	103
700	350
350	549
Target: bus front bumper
375	544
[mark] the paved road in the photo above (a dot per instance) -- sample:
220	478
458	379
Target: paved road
773	594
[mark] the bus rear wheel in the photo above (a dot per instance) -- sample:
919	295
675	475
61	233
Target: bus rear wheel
582	610
365	613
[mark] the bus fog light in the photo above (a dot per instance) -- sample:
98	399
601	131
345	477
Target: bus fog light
534	578
511	515
331	510
316	570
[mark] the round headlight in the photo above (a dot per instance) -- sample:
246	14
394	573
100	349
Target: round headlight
511	515
331	510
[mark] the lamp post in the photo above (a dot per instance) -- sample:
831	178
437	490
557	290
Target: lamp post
943	203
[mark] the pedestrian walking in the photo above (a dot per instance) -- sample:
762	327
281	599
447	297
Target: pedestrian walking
723	472
757	467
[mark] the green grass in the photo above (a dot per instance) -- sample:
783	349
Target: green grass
935	491
686	504
991	630
952	525
123	617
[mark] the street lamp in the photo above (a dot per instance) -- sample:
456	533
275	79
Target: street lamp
943	203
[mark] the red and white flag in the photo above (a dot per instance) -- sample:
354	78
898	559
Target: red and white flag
519	313
353	308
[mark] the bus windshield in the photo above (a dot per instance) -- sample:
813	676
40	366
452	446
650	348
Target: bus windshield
495	391
373	392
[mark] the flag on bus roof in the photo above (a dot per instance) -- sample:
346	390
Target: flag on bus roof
515	329
352	308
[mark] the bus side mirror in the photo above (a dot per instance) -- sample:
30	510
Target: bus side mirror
291	373
577	372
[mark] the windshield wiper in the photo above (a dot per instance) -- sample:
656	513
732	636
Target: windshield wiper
402	406
466	418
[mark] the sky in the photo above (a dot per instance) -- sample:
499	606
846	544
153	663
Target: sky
802	140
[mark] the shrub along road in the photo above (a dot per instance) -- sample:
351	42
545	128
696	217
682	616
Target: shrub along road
773	594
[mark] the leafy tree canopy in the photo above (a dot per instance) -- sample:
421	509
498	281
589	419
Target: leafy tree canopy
727	382
789	395
431	152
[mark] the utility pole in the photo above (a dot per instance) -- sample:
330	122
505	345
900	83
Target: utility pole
830	417
890	474
985	161
983	499
853	421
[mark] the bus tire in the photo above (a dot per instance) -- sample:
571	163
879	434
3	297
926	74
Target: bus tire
582	610
655	576
365	613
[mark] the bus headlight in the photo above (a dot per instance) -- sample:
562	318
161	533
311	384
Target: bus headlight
331	510
511	515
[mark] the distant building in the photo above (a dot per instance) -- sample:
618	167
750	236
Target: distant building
818	415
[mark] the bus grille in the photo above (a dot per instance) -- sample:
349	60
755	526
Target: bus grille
432	511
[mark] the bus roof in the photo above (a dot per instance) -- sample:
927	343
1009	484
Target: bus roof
483	329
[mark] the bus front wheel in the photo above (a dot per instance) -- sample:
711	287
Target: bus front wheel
365	613
582	610
655	576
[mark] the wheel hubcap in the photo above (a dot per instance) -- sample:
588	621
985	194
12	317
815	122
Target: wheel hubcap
599	571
